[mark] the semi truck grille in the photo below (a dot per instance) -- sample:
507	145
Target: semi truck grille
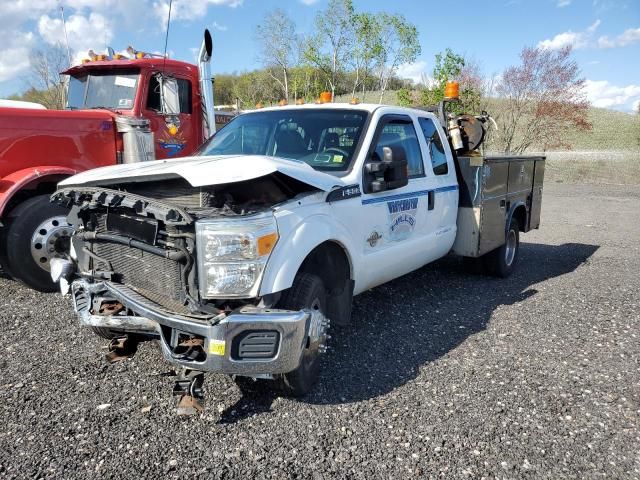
157	278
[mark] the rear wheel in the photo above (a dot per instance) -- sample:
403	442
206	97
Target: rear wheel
38	231
502	261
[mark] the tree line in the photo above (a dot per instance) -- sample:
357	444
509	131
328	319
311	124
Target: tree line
348	52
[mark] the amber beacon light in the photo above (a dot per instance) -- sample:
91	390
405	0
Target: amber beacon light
452	90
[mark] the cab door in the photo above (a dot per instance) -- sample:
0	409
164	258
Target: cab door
171	116
399	223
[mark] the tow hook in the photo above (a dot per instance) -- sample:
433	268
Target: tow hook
188	387
121	349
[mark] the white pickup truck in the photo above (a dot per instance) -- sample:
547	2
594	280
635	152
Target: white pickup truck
236	260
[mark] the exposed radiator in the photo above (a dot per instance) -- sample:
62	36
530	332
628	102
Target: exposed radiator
157	278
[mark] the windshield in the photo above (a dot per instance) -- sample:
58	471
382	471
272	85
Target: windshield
103	90
326	139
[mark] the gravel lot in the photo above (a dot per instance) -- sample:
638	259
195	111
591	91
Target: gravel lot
444	374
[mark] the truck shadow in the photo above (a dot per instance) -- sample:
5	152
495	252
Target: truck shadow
401	326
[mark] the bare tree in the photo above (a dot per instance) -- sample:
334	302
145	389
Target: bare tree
330	48
278	45
45	77
544	98
367	50
400	44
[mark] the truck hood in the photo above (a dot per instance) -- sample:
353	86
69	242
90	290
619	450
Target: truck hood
206	170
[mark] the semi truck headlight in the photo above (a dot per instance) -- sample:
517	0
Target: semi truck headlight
232	254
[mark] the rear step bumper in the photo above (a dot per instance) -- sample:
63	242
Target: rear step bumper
250	341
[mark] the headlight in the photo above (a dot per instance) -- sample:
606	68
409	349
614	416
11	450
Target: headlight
232	254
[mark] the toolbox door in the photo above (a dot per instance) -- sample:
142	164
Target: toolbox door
495	176
536	195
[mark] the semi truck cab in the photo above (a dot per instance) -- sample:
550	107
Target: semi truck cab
120	110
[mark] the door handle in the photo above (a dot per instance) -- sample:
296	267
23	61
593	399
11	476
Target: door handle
503	203
431	199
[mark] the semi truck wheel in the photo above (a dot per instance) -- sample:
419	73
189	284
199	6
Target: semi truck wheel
308	291
38	232
502	261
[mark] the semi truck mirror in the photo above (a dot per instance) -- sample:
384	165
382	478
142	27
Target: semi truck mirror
169	98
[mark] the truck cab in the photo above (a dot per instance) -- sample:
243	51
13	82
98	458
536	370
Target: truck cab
120	110
245	253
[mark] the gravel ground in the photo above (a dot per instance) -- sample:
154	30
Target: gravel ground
444	374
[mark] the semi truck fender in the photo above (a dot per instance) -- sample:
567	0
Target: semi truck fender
16	181
512	211
296	244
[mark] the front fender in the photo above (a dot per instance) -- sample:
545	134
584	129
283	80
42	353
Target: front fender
298	237
16	181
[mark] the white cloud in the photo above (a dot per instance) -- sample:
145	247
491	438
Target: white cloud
569	38
603	94
414	71
83	32
188	9
636	106
563	3
628	37
219	27
308	2
14	56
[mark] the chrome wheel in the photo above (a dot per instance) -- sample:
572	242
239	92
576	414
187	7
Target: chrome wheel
511	245
51	239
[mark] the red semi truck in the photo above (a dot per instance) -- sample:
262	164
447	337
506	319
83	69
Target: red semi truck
120	109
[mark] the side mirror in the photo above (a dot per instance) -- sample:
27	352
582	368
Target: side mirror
169	99
388	173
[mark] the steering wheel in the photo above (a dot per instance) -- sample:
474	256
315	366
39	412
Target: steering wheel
340	151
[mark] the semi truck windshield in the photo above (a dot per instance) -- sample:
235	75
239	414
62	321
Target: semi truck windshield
326	139
109	90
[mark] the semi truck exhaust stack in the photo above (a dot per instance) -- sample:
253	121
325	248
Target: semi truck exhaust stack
206	85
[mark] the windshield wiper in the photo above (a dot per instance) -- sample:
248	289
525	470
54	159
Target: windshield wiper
101	107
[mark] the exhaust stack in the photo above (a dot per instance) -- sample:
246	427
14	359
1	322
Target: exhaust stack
206	86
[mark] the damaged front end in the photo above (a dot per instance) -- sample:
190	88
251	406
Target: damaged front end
183	265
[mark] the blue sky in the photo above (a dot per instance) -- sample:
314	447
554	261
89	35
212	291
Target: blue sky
604	33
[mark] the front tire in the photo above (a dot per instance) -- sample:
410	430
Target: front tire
38	232
307	292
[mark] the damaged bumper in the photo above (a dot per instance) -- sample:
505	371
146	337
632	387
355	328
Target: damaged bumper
249	341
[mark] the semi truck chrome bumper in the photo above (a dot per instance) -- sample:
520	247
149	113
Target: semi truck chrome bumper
249	341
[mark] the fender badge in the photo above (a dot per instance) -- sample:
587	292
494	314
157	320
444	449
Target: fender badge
374	238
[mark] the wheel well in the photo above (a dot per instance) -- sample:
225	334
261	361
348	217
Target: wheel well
330	262
39	186
520	214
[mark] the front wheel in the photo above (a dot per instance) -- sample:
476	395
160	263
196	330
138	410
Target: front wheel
307	292
502	261
38	231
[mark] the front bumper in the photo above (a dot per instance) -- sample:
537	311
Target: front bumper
249	341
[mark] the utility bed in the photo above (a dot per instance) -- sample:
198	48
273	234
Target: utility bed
493	189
